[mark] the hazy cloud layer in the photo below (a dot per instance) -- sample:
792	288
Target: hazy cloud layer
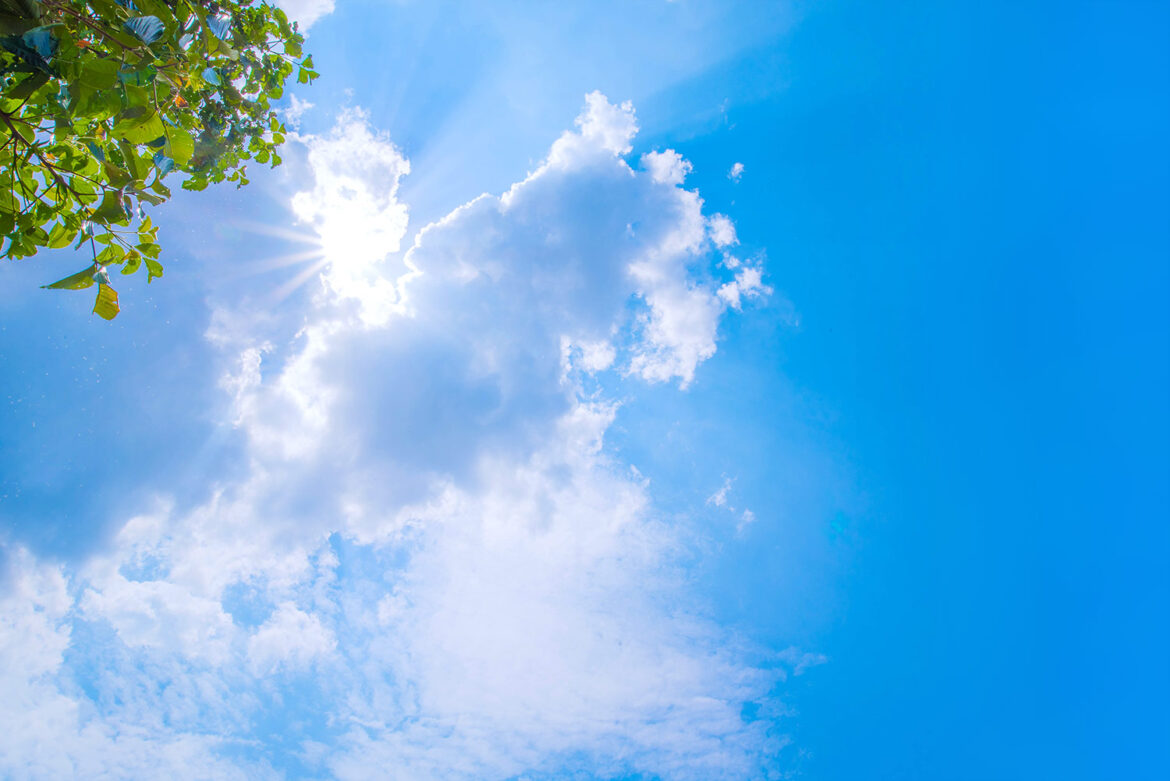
432	564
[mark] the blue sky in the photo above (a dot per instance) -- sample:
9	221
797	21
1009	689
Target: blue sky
632	390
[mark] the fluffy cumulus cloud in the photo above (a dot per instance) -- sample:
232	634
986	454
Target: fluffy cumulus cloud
432	564
669	166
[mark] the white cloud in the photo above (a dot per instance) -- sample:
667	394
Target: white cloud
722	230
531	626
32	637
306	12
509	596
593	356
54	730
801	661
719	498
355	210
295	110
484	299
736	172
748	283
667	167
603	130
291	638
160	614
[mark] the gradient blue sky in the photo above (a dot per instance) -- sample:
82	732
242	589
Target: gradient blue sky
908	520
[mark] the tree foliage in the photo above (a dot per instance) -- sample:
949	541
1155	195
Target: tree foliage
101	99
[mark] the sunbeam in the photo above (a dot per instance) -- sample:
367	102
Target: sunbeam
278	231
270	264
285	290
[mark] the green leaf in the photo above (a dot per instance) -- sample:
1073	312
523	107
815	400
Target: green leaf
154	200
61	236
118	177
84	188
79	281
110	256
140	77
26	132
139	129
221	26
42	40
97	105
113	94
147	29
180	145
133	262
137	168
8	202
27	87
153	269
34	48
38	236
111	209
163	163
99	74
138	97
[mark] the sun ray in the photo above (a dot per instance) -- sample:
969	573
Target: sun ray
285	290
278	231
270	264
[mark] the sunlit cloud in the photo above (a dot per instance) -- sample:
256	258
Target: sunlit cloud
430	542
355	212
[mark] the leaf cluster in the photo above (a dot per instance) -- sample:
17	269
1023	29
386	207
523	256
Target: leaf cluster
101	99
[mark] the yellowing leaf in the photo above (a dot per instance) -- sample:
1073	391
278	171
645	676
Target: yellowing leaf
106	305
